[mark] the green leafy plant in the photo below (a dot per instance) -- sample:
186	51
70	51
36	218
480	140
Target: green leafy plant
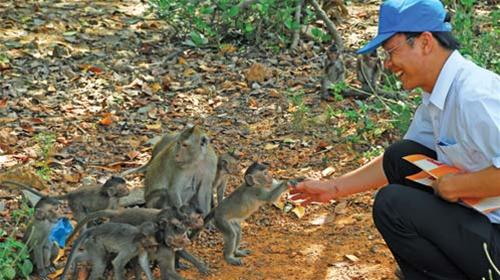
478	34
210	22
299	110
45	143
15	261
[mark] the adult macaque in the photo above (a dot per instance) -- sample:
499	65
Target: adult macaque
369	71
185	168
88	199
165	140
334	71
125	240
43	252
227	165
256	190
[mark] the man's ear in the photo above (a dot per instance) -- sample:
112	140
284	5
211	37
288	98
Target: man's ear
427	42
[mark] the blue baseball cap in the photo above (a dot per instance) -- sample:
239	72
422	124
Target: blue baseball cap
407	16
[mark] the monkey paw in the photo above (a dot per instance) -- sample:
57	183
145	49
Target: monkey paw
242	253
234	261
182	266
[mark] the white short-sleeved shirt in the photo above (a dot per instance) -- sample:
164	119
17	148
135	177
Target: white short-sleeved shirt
460	119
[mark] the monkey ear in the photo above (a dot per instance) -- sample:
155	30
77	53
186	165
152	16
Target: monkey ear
249	180
187	131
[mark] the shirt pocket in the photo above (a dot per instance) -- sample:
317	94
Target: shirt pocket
458	156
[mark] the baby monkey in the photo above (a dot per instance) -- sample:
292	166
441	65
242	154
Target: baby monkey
86	200
42	251
256	190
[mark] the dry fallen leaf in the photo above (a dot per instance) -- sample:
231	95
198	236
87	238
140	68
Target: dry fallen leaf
156	87
252	104
258	73
154	127
299	211
322	219
107	119
271	146
352	258
327	171
280	204
133	154
227	48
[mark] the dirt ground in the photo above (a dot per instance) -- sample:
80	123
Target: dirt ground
346	246
105	84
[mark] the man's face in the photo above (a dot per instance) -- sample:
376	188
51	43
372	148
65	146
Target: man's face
405	61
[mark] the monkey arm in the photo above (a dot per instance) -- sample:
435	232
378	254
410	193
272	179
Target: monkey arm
272	195
192	259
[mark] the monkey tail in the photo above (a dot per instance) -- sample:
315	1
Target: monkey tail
74	249
90	217
140	169
23	187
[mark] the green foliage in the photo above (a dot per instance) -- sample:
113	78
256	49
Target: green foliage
337	89
45	143
478	34
299	110
15	261
4	58
205	22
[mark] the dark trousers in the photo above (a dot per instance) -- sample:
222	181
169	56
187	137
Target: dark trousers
429	237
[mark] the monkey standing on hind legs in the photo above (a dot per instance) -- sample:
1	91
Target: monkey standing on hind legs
256	190
85	200
42	251
334	71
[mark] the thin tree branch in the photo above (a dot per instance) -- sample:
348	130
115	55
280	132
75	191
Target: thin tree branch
296	33
329	24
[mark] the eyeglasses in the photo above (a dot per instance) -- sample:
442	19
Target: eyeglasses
386	54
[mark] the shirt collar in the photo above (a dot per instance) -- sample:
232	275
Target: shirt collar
445	79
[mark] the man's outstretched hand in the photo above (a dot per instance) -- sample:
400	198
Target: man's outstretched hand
313	191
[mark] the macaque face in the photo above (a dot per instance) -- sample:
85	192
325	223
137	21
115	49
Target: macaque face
176	235
263	178
121	190
191	146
